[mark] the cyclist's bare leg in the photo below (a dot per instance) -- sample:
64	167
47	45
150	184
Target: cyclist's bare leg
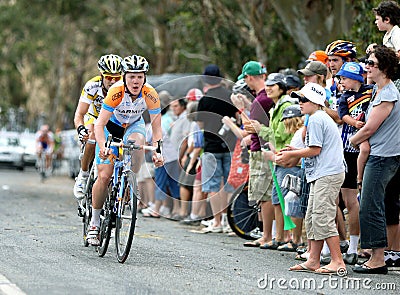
88	153
100	186
49	160
137	155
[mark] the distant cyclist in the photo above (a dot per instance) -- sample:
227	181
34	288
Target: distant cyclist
88	110
121	115
45	144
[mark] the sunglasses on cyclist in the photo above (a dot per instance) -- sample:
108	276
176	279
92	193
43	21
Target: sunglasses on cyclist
303	99
371	63
110	78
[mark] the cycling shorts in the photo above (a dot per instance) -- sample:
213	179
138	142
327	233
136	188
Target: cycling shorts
136	127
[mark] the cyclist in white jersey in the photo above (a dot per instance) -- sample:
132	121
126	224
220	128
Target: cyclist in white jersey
88	110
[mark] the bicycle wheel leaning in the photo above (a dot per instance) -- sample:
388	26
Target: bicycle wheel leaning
242	217
106	220
126	217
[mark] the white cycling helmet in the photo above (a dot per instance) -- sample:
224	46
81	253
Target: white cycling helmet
135	64
110	64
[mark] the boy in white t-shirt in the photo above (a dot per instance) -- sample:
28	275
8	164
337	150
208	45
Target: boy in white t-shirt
325	173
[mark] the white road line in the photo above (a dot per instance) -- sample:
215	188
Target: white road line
8	288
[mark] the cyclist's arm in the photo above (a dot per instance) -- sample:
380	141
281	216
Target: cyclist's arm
101	122
80	112
156	127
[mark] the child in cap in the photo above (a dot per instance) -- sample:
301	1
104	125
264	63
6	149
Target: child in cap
323	157
352	106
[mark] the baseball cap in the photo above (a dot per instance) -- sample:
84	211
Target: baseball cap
351	70
291	112
252	68
314	68
318	55
313	92
194	94
275	78
212	75
293	81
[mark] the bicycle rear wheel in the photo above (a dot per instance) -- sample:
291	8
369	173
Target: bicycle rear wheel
106	219
126	218
242	218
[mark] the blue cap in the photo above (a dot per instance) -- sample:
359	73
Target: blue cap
352	70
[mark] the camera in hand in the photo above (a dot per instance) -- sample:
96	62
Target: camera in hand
225	128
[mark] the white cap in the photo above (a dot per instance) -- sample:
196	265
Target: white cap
313	92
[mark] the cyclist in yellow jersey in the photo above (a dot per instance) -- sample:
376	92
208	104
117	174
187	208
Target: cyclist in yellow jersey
88	110
121	115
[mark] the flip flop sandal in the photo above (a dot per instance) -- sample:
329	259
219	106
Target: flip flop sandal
272	245
341	271
288	247
252	244
301	268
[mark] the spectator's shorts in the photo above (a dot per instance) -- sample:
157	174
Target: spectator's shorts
260	178
214	168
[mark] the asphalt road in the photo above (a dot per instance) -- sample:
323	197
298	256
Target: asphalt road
41	252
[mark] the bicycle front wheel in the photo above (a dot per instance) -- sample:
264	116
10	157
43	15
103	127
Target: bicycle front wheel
106	219
126	217
242	218
87	210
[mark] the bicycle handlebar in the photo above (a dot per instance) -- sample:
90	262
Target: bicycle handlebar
133	146
129	145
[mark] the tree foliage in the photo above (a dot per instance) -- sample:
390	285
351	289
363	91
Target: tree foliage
50	48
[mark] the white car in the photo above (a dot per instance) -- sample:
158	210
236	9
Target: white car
11	151
28	141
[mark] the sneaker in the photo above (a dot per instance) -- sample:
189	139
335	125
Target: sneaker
325	259
93	237
350	258
212	229
190	221
227	229
207	223
79	187
389	258
256	233
165	211
344	246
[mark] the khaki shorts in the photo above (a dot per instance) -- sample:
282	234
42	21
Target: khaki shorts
321	210
260	178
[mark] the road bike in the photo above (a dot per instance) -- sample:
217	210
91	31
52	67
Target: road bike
41	166
120	207
243	217
85	205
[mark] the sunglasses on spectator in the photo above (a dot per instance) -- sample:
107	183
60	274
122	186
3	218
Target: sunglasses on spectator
371	63
110	78
303	99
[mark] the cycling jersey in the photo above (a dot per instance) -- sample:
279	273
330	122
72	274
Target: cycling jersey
44	140
92	94
127	111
